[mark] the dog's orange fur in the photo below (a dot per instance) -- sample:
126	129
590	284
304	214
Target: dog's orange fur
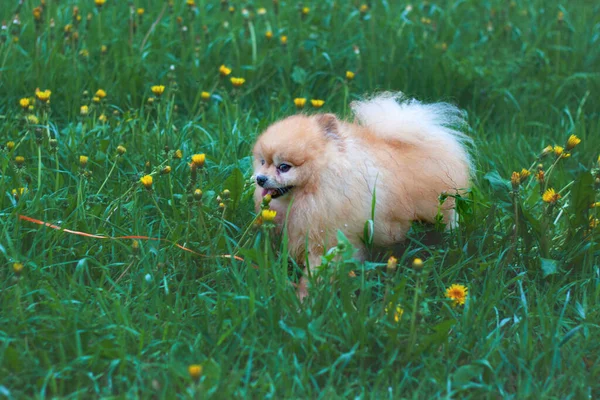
402	152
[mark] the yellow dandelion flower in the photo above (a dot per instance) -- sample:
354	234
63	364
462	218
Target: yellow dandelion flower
96	99
19	160
10	145
595	205
166	170
550	196
398	311
103	49
99	3
158	90
558	150
317	103
195	370
205	96
221	205
190	3
458	293
524	174
268	215
283	40
417	263
178	155
32	119
261	11
83	161
350	75
24	103
100	93
140	11
198	160
198	194
146	181
102	118
232	9
364	8
43	95
305	10
237	82
17	193
224	71
18	268
84	110
299	102
121	150
269	35
572	142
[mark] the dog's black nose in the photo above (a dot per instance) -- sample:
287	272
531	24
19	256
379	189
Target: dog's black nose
261	179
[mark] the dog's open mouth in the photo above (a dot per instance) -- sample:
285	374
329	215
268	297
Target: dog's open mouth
276	192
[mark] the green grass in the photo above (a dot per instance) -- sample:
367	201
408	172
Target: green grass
90	317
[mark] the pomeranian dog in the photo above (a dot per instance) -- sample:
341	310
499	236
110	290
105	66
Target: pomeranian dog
399	154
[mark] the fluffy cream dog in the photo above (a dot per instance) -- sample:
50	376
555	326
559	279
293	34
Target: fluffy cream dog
401	152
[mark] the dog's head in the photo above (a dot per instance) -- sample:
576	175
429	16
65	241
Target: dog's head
291	153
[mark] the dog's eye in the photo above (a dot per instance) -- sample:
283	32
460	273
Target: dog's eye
262	162
284	167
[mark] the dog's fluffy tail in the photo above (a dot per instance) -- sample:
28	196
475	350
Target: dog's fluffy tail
433	126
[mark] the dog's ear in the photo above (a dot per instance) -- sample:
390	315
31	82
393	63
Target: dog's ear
330	125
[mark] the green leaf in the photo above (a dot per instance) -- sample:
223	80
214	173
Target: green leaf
500	187
235	184
299	75
549	266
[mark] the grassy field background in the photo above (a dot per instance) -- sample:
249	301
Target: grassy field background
85	317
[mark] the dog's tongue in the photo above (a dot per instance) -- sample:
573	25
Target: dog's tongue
264	192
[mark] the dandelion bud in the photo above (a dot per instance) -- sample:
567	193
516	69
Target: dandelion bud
135	247
266	200
392	264
19	160
83	160
166	170
205	96
178	155
198	194
53	144
221	205
226	193
121	150
515	180
350	75
84	110
18	268
195	371
572	142
417	263
10	145
100	94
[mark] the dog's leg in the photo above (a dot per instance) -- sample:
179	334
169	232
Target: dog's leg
314	261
